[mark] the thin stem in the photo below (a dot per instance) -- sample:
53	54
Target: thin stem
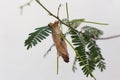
58	10
95	22
84	21
24	5
57	64
67	11
110	37
48	50
45	8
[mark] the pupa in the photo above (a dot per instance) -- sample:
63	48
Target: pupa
59	42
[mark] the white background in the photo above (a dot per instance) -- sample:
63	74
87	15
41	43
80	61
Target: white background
17	63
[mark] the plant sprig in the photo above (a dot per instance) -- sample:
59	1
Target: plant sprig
88	53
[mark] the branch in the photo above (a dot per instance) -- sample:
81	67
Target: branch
110	37
50	13
26	4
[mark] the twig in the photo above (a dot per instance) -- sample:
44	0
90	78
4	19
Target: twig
46	9
48	50
57	64
50	13
58	10
110	37
24	5
67	13
95	22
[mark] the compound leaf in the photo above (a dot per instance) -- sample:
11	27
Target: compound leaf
37	36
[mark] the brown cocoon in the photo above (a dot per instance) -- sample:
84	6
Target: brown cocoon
59	41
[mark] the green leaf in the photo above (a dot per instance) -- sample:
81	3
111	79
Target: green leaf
37	36
93	50
88	53
101	65
74	68
81	55
92	32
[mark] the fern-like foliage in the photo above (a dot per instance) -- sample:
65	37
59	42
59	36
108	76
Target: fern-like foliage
88	53
37	36
74	68
79	44
92	32
101	65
